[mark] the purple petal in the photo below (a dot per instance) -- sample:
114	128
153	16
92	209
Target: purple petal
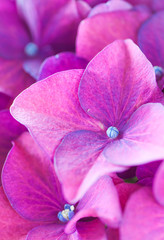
143	217
100	201
5	101
141	2
158	5
145	173
83	8
95	2
117	71
51	21
13	79
13	227
48	232
158	184
81	149
51	109
30	183
14	35
151	37
10	129
60	62
98	31
91	230
143	138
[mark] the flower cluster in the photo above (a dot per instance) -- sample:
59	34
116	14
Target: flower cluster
82	119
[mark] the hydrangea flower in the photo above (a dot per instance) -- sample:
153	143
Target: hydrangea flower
33	190
84	116
29	32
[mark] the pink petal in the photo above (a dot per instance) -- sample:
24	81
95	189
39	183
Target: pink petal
14	34
30	183
60	62
51	109
143	217
110	6
13	79
143	138
117	71
150	37
100	201
98	31
13	227
158	184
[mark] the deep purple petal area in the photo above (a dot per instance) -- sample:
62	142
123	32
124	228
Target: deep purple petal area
100	201
95	2
145	173
30	183
81	149
151	37
51	109
13	32
60	62
143	217
91	230
10	129
13	227
119	70
142	140
100	30
5	101
158	184
13	79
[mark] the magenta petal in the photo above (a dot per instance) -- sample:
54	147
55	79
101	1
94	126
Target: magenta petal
48	232
117	71
80	149
13	79
94	2
51	21
51	109
143	217
100	201
158	184
5	101
98	31
29	182
143	138
13	227
13	32
151	37
10	129
91	230
60	62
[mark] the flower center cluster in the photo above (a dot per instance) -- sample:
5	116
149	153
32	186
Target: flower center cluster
112	132
31	49
67	214
159	72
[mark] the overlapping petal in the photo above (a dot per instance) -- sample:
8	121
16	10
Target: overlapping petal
54	110
143	217
29	182
100	30
117	71
60	62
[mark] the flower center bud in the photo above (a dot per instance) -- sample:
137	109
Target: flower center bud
67	214
159	72
31	49
112	132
